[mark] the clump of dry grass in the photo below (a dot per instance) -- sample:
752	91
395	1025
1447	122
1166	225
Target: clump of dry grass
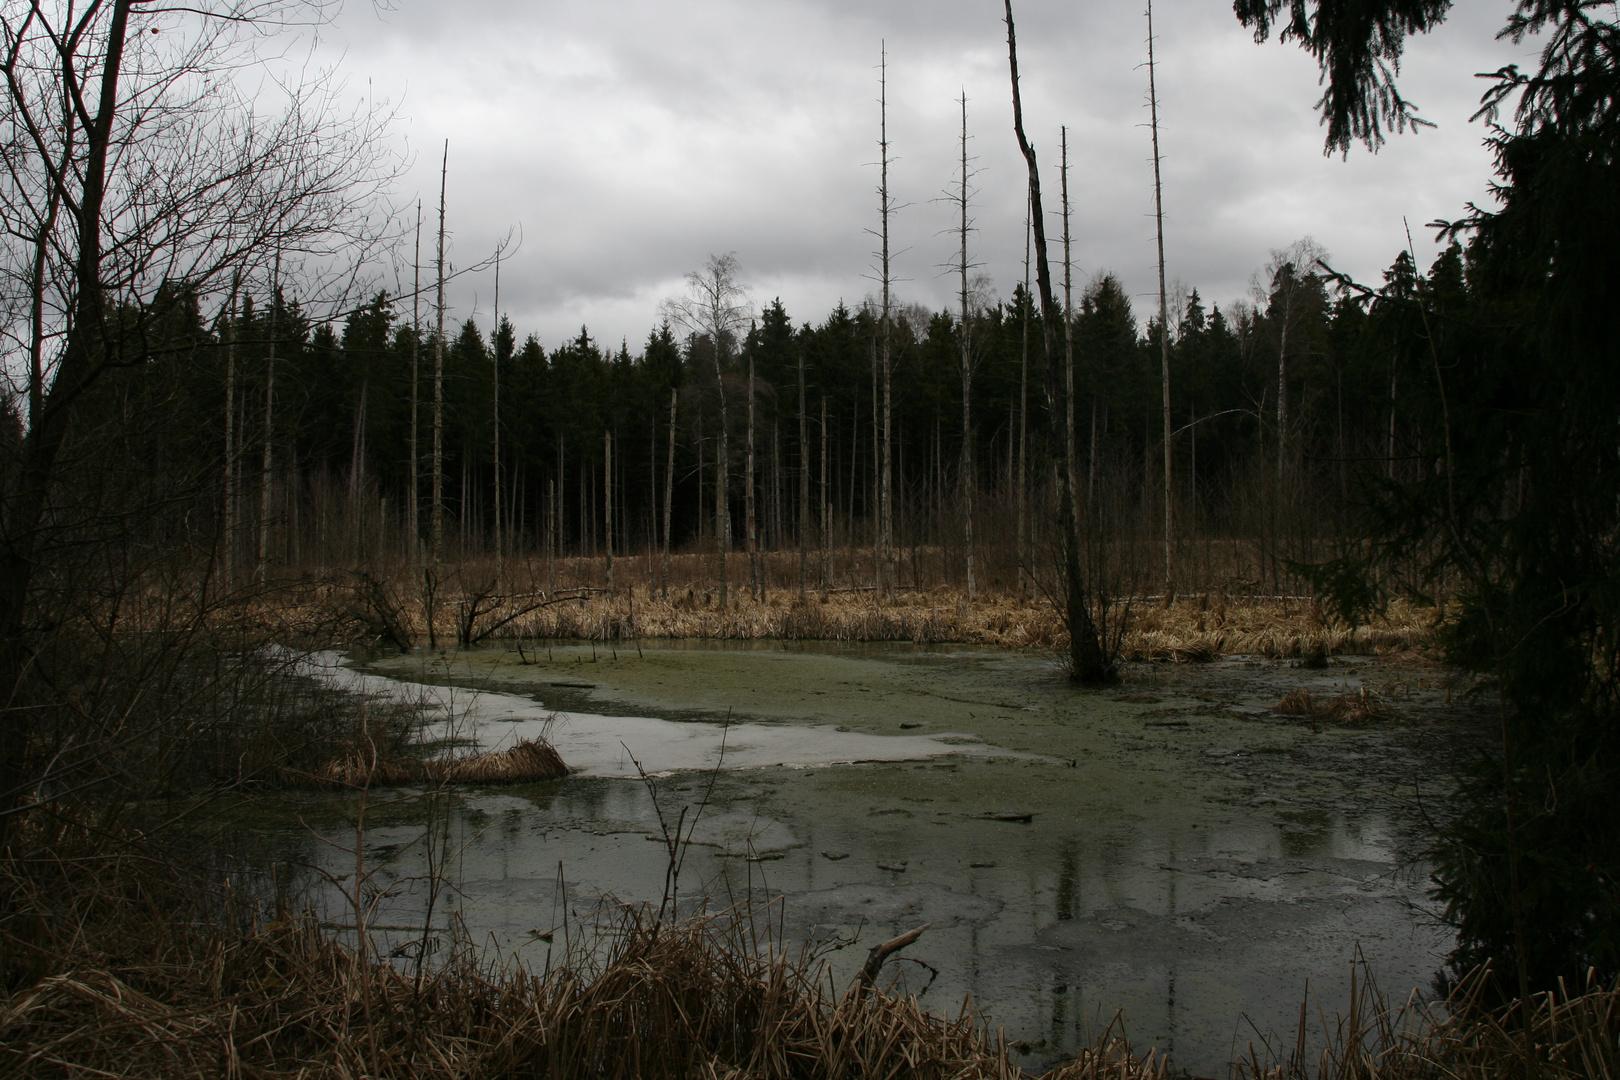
526	762
1349	710
1571	1034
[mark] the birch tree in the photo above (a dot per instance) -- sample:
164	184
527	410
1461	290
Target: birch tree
716	306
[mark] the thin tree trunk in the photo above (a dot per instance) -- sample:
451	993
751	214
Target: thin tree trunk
826	504
412	505
357	470
669	493
437	543
495	419
607	501
1023	423
749	506
232	436
1164	314
267	461
884	446
1068	332
804	483
968	477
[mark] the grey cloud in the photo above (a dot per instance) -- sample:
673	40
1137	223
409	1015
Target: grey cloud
631	139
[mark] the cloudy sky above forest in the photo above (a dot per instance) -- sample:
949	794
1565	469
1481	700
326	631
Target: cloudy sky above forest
625	141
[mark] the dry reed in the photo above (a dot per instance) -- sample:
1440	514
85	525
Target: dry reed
1571	1034
1193	628
686	1000
526	762
1348	710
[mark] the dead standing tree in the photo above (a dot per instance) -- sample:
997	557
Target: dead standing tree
1164	310
1085	614
884	360
716	306
967	361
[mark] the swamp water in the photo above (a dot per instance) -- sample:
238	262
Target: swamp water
1170	846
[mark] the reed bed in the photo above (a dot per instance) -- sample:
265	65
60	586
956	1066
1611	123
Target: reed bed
1192	628
693	999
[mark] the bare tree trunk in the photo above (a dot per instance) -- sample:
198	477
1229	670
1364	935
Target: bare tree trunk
804	483
232	436
669	493
412	507
966	362
607	501
437	543
1068	332
885	544
1164	316
1087	650
495	420
722	496
754	584
357	470
1023	424
826	505
265	474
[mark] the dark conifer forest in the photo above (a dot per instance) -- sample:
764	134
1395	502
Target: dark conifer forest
340	485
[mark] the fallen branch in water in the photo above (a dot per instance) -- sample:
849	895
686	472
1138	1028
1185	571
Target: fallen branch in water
880	953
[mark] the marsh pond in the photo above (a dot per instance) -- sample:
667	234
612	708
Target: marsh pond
1172	846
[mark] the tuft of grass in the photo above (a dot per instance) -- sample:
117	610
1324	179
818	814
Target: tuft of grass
1348	710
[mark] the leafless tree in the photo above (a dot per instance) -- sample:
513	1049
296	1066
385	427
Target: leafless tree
967	360
716	306
1084	606
1164	310
136	170
886	209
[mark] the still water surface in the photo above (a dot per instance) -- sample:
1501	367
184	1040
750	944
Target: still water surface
1188	856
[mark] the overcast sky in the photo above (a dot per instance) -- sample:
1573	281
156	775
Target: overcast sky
627	140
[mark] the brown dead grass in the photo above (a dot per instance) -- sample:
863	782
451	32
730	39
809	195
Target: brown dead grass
1345	710
694	999
528	761
1192	629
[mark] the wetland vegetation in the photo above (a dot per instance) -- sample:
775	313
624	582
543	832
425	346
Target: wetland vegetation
877	695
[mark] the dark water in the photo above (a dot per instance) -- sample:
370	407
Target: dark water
1188	856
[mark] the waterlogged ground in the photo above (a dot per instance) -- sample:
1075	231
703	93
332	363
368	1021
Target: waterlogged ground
1176	850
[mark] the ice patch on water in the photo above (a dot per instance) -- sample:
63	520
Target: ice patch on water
611	746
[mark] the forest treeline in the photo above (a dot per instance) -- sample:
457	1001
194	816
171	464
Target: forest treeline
1279	406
